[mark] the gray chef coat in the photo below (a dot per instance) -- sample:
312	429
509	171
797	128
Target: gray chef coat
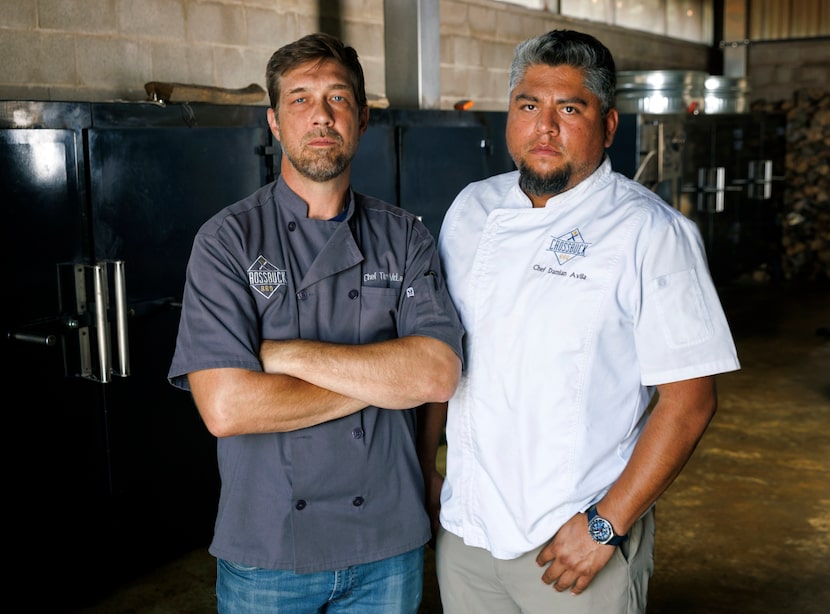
348	491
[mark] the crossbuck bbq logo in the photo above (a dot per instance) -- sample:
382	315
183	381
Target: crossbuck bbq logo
568	245
265	278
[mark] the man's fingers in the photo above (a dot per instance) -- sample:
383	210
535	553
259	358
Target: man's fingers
580	585
563	582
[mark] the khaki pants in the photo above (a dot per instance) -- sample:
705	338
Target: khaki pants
471	581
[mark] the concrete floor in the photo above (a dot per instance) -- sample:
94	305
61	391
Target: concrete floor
745	528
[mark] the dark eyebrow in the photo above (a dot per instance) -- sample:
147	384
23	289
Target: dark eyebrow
574	100
526	97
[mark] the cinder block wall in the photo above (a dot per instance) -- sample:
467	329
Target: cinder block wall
778	69
478	38
94	50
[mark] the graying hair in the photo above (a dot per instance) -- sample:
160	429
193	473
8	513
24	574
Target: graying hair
571	48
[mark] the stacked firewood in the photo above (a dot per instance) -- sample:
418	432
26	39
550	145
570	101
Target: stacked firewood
806	216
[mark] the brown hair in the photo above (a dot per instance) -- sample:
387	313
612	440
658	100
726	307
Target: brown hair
314	47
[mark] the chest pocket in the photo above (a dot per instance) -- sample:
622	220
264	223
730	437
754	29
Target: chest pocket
378	313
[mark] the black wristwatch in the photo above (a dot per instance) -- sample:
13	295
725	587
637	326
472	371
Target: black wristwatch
601	530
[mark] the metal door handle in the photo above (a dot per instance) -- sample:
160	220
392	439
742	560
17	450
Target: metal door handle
119	276
102	329
44	339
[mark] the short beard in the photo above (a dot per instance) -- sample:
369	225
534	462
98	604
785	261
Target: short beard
534	184
321	166
321	169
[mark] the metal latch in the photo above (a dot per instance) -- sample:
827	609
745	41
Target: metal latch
711	189
95	308
87	309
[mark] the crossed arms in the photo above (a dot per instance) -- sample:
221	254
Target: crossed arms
309	382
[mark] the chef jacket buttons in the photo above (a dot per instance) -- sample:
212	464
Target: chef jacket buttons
292	226
353	294
357	501
357	433
300	505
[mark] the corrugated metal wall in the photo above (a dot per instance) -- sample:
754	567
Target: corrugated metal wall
785	19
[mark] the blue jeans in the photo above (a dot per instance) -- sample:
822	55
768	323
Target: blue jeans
388	586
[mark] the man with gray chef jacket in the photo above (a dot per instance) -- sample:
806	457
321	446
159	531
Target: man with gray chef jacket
315	323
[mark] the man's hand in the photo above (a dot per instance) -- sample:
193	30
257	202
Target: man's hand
572	557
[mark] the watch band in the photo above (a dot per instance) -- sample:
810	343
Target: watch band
601	530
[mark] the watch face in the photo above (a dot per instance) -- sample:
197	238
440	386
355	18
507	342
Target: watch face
600	529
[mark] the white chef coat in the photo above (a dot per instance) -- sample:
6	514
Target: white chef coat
572	312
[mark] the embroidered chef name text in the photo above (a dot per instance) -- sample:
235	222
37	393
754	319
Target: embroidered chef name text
382	276
541	268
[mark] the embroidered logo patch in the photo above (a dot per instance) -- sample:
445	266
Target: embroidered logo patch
568	245
265	278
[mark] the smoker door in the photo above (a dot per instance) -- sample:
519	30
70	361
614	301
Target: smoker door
732	170
436	162
374	168
56	429
120	476
154	180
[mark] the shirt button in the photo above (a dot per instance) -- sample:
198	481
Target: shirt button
302	295
292	226
300	505
353	294
357	433
357	501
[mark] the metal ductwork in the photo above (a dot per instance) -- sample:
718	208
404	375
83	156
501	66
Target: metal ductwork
412	45
735	38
